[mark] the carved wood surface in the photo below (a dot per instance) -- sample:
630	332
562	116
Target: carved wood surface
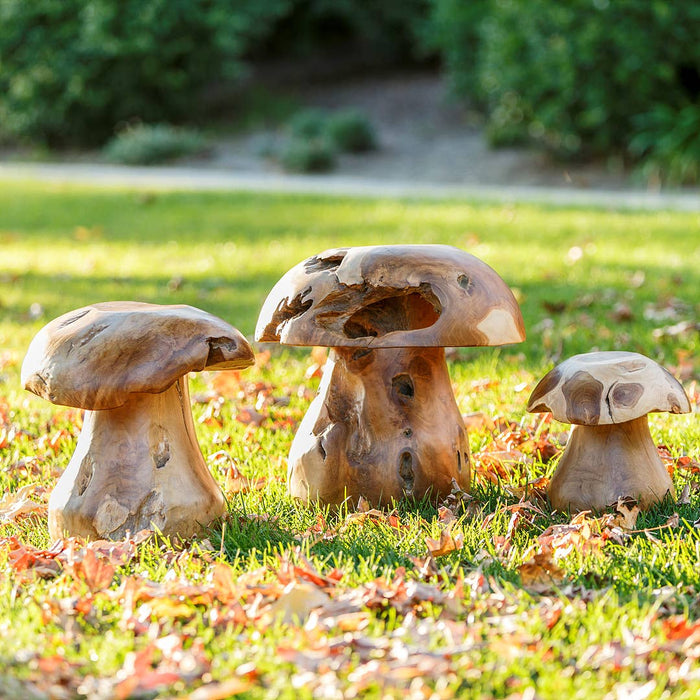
610	453
135	467
96	357
137	463
384	425
602	388
605	462
391	296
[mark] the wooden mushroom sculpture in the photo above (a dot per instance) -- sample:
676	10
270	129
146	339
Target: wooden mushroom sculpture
385	423
610	452
137	462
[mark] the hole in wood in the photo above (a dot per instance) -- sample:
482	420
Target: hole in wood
403	385
406	312
406	470
331	262
465	283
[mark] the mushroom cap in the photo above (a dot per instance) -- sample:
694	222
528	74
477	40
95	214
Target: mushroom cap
391	296
603	388
97	356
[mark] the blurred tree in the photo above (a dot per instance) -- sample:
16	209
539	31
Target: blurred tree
453	30
576	76
70	70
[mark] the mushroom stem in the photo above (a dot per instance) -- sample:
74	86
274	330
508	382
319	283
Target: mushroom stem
384	425
602	463
134	467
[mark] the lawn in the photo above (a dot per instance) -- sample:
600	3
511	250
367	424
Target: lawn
486	595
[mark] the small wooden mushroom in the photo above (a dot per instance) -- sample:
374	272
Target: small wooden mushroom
385	423
610	452
137	463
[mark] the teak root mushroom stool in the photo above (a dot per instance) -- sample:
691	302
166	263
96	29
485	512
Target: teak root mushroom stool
610	452
137	462
385	423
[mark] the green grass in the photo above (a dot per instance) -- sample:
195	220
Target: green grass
612	621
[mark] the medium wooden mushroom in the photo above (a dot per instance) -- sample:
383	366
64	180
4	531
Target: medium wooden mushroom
610	452
137	463
385	423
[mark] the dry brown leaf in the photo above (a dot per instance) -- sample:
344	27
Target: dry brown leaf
227	383
478	420
297	601
18	504
445	515
540	573
627	513
224	583
96	572
237	482
673	520
684	498
249	416
446	544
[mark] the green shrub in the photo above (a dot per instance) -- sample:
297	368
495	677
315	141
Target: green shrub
308	123
351	131
70	70
575	76
308	156
146	144
454	31
667	141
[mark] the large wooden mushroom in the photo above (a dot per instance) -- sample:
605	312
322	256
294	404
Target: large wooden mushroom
137	463
385	423
610	453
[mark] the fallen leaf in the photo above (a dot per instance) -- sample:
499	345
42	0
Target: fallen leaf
541	573
445	544
249	416
96	572
477	421
297	601
627	513
684	498
14	506
672	520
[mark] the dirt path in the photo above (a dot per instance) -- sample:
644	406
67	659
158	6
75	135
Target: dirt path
429	147
423	136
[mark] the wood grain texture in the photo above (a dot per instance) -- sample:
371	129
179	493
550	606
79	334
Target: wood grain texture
96	357
138	466
603	463
603	388
384	425
137	463
391	296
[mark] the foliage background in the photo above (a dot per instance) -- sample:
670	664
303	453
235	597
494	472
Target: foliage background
586	78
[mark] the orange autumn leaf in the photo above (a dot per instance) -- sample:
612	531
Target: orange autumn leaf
541	573
262	358
227	383
96	572
445	544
